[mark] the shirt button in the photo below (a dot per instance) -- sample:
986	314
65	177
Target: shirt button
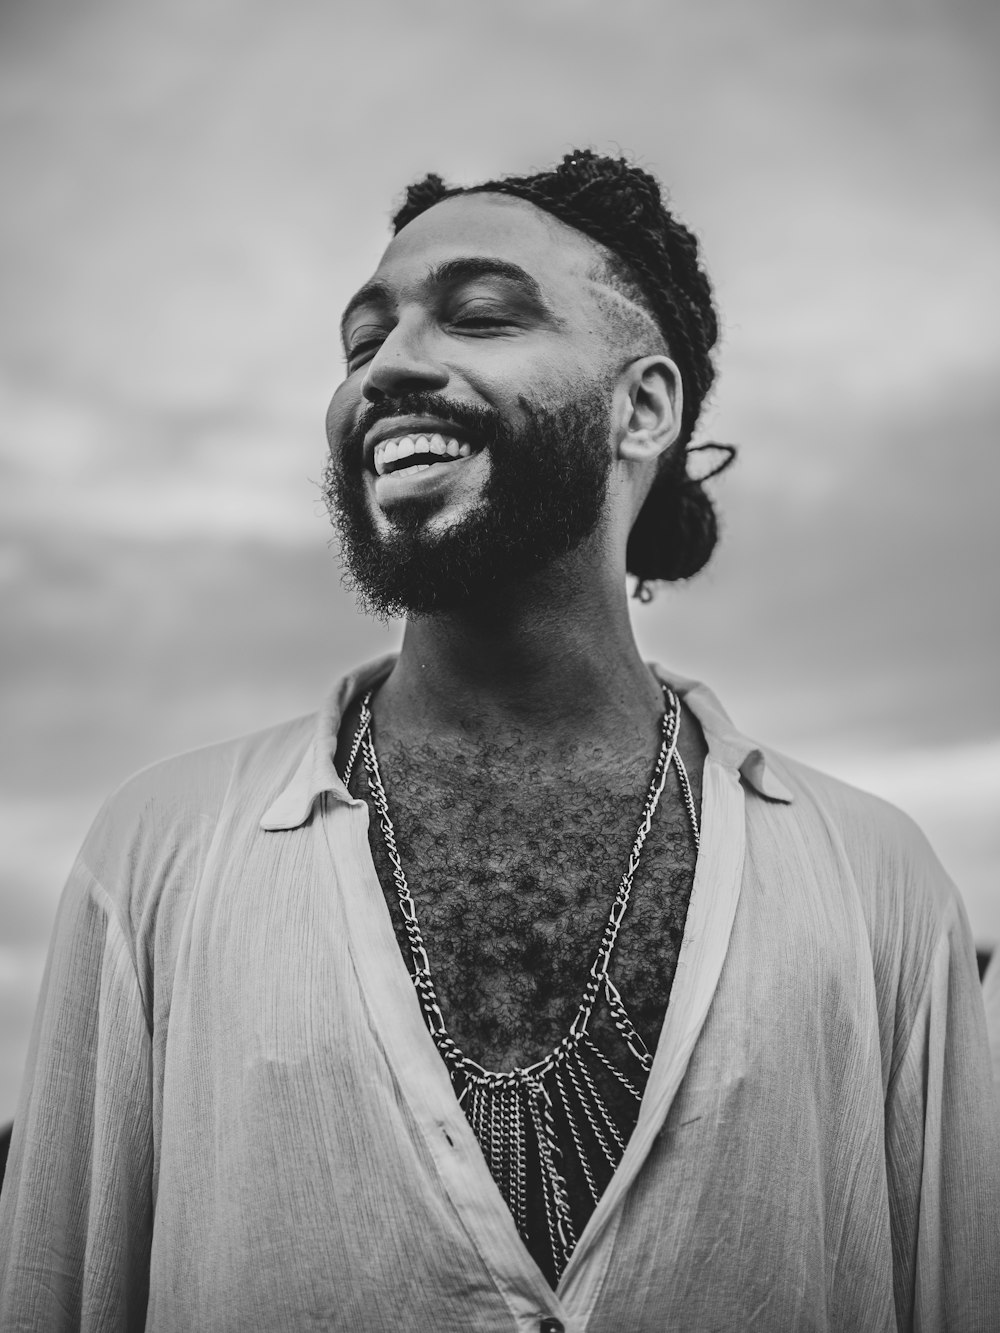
551	1326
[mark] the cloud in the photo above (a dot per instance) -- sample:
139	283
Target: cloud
121	650
82	465
194	188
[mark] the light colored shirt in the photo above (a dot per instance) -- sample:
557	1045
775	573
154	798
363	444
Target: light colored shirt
991	999
234	1117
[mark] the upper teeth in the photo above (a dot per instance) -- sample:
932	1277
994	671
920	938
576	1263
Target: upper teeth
390	451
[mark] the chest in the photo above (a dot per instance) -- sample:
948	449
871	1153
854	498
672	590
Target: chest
513	872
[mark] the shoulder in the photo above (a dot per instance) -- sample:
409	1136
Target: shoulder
876	837
193	787
876	856
847	840
157	826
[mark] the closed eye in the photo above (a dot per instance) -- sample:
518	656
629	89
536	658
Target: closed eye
362	352
483	322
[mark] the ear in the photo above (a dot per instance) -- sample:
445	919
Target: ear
651	402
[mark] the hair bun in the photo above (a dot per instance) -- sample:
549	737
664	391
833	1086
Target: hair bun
673	536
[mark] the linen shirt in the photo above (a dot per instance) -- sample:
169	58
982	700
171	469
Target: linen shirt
234	1117
991	999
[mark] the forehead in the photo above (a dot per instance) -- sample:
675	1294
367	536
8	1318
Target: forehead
492	226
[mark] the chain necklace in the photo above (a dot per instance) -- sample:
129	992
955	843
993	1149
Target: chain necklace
507	1109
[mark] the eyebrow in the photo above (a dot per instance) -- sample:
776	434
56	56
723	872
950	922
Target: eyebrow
450	273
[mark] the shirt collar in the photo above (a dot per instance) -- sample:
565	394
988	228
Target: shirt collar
317	775
725	743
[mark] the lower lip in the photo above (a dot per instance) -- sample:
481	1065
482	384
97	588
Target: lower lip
408	483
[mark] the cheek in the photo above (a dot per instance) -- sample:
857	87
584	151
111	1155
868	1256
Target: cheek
552	377
341	413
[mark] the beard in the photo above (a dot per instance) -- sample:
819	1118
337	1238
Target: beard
544	494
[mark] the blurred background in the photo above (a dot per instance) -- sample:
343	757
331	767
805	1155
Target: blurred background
193	187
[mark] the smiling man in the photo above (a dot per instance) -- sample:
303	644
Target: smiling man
517	989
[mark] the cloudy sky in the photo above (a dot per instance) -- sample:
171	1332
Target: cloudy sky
193	187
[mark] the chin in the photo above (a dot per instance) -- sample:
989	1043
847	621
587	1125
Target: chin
478	532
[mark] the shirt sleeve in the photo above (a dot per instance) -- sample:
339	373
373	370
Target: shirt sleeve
76	1208
943	1151
991	999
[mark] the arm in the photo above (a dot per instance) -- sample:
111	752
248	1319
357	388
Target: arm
942	1150
991	998
76	1208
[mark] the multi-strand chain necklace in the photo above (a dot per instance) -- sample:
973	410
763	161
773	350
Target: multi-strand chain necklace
511	1111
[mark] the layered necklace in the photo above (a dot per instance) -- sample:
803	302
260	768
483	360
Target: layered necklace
511	1112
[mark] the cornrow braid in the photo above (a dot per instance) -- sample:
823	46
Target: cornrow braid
655	258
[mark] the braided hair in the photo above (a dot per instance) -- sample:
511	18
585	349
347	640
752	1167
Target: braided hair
653	259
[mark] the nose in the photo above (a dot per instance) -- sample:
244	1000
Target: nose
402	365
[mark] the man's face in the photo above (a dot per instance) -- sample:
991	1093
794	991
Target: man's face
470	442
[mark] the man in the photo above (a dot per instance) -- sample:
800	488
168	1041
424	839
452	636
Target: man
363	1022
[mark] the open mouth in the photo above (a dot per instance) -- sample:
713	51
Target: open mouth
417	452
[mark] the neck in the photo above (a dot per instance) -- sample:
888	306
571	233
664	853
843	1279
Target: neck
557	659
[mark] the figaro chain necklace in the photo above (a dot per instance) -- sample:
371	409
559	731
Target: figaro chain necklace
511	1112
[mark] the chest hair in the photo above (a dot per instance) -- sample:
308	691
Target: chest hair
513	869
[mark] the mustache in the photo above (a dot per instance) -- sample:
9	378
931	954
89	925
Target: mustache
484	424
